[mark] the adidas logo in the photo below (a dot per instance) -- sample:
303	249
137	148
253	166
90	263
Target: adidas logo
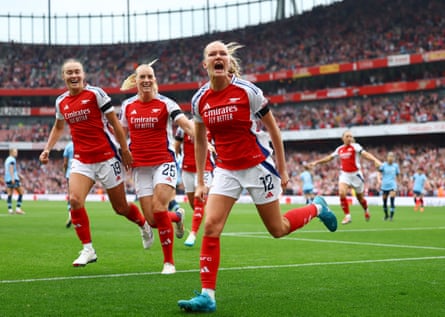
269	195
205	269
66	107
206	107
134	112
167	242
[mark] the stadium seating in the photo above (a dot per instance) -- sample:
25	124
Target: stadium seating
322	36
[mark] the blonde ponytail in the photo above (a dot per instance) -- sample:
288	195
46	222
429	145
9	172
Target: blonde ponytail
130	81
235	67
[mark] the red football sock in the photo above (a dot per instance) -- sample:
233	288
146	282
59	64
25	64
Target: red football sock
173	216
198	214
135	215
209	261
165	230
81	223
364	204
300	216
344	205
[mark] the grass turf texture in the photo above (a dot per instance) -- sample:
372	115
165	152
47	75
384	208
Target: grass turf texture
364	269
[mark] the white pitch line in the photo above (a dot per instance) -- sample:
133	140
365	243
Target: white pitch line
243	235
347	230
240	268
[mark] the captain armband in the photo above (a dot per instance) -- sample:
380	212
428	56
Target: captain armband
263	112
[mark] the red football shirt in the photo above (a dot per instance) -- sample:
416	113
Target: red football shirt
150	128
230	117
349	157
93	141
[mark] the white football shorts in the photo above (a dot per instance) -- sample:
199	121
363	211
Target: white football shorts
354	179
109	173
261	182
147	177
190	181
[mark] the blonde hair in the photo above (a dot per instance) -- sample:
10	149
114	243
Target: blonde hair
130	81
232	47
235	66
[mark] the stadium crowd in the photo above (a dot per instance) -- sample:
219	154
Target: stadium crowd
420	107
322	36
49	179
376	110
24	132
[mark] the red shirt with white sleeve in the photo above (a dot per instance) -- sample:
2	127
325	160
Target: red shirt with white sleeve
349	157
230	116
85	113
150	127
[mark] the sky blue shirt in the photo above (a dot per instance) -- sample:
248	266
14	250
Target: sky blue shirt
306	177
389	176
419	182
11	161
68	153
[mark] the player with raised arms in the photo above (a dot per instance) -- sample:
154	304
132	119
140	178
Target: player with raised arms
351	175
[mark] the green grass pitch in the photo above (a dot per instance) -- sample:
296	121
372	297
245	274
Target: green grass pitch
364	269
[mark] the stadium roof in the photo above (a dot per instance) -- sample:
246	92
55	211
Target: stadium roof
27	20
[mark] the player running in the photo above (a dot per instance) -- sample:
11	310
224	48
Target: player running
229	108
89	112
390	174
351	175
148	117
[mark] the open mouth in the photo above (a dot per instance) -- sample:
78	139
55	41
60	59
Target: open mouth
219	66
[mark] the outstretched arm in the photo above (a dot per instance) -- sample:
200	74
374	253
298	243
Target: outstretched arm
371	157
323	160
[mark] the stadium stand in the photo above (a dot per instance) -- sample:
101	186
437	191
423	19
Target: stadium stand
322	36
418	107
408	35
